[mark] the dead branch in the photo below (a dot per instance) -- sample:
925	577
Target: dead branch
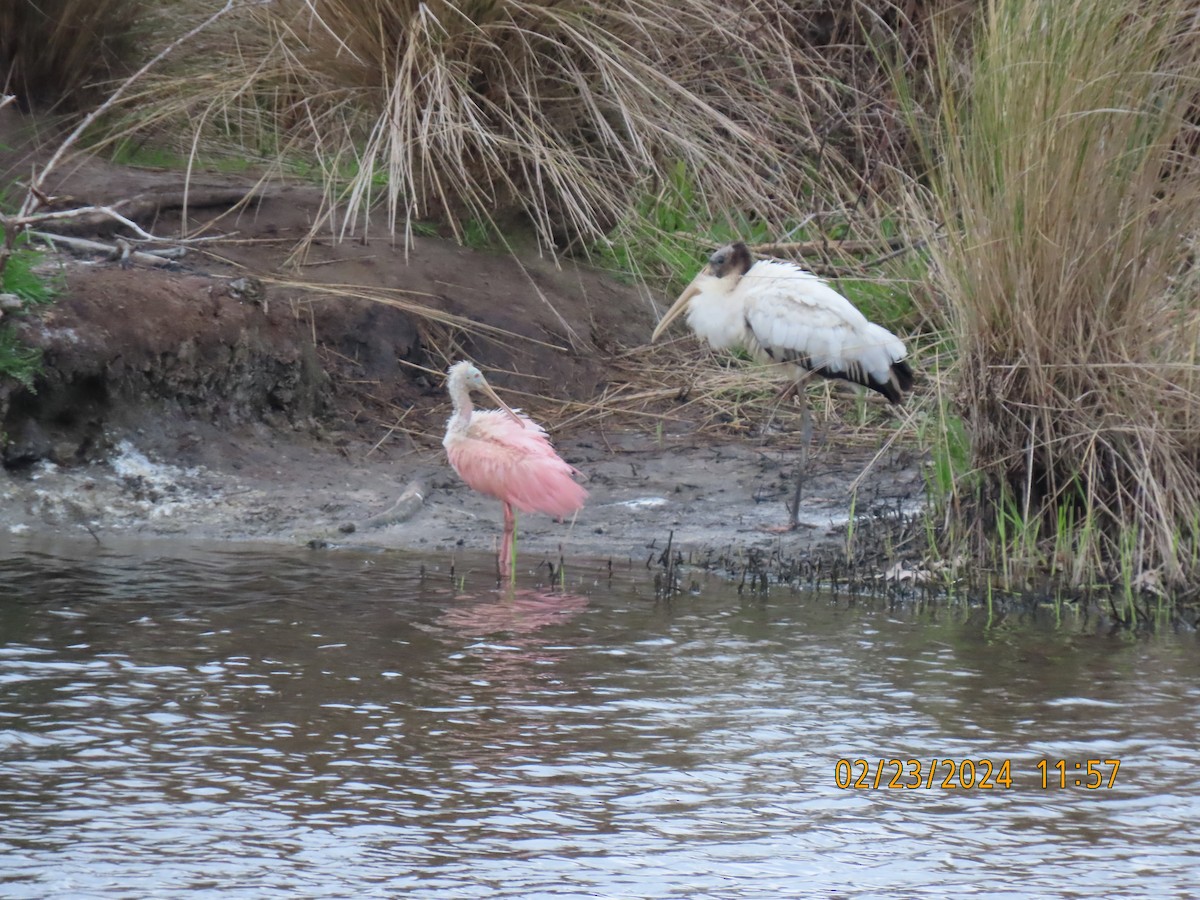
142	208
822	247
122	251
95	215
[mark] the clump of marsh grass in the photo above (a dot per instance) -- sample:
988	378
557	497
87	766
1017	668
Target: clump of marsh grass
556	112
1064	167
54	52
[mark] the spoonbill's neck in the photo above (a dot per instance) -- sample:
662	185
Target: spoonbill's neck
460	395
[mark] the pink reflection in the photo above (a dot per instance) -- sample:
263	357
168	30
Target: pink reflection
514	612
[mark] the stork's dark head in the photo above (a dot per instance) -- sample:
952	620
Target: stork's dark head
731	259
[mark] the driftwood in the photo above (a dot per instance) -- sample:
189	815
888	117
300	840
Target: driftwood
121	251
144	207
405	507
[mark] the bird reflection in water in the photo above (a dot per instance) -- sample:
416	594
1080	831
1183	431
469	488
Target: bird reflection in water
515	611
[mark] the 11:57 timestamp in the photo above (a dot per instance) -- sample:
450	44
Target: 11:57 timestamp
1088	773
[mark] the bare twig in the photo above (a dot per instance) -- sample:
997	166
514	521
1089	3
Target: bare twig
103	212
899	247
802	248
162	257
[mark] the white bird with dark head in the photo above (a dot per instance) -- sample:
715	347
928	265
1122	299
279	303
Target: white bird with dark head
779	313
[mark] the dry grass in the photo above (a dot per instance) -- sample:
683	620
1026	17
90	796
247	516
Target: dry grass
53	53
1066	166
473	112
667	389
555	114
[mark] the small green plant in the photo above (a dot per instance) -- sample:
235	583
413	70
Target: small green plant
479	233
17	361
945	434
128	152
19	278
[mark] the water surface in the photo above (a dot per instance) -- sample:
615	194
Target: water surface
268	723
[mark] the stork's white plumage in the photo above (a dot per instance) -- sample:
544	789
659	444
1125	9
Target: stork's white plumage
780	313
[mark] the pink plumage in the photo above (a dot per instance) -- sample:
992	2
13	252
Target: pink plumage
506	455
514	462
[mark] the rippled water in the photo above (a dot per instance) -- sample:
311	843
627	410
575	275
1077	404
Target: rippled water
284	724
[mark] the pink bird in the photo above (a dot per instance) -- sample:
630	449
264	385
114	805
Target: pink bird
506	455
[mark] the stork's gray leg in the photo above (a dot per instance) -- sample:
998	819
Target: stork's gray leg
806	433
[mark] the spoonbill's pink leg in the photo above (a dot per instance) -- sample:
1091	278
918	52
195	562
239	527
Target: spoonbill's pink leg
510	525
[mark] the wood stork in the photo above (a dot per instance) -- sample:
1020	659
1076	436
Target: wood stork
779	313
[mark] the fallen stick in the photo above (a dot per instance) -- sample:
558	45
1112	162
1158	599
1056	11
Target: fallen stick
139	208
163	257
402	510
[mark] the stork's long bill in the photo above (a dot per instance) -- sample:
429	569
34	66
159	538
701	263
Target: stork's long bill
680	305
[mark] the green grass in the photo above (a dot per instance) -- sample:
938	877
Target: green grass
20	278
18	361
135	154
668	233
56	54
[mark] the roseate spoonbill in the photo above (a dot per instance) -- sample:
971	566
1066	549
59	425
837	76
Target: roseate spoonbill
506	455
781	314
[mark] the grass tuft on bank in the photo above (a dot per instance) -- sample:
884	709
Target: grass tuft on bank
555	117
56	54
1064	165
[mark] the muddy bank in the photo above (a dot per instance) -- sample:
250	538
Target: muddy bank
243	394
255	483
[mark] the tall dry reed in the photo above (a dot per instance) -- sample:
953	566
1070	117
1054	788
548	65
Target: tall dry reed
559	112
56	53
1064	167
